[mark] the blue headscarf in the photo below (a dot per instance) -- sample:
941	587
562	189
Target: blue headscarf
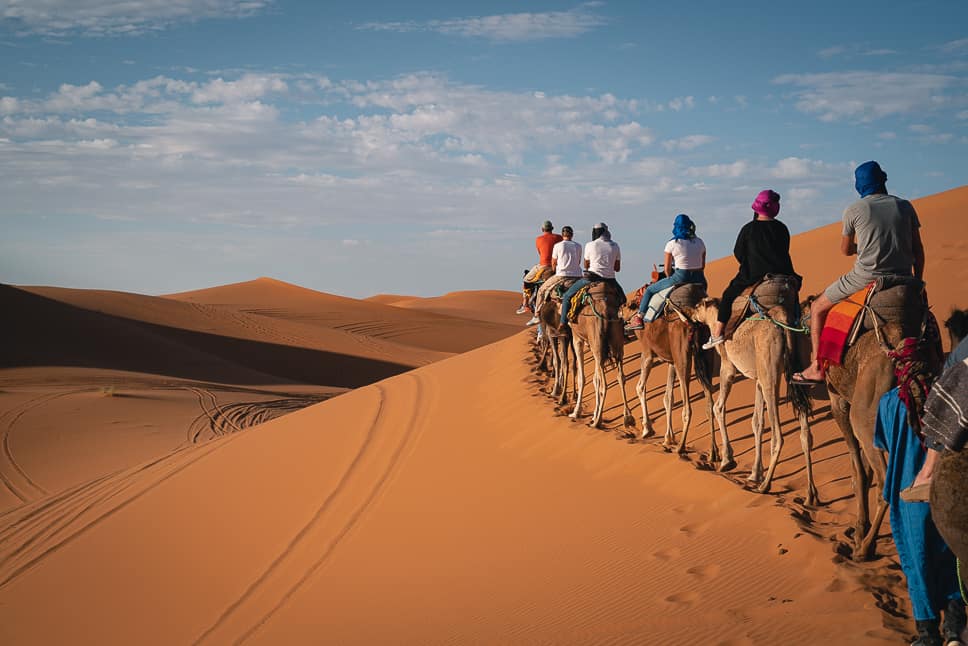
870	179
683	228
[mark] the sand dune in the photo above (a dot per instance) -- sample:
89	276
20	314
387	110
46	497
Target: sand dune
453	504
482	305
429	330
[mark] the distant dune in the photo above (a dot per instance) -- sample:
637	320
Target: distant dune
481	305
449	504
277	299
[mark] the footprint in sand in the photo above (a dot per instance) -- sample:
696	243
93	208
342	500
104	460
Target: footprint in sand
692	529
705	572
667	555
683	599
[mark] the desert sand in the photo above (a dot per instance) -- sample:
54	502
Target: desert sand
445	502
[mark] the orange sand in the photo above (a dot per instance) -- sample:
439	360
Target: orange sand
447	504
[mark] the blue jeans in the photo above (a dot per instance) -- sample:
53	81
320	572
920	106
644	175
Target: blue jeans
678	277
566	298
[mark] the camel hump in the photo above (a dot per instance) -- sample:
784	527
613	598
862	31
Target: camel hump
777	289
898	299
687	295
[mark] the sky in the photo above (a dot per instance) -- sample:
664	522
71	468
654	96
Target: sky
358	148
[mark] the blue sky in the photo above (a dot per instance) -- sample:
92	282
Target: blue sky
367	147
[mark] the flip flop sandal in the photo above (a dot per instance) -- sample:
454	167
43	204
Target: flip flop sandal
798	380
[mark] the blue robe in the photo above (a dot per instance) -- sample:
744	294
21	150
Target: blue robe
928	564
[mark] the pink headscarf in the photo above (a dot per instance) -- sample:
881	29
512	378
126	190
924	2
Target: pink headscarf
767	203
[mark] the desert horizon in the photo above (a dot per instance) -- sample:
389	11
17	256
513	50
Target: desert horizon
264	462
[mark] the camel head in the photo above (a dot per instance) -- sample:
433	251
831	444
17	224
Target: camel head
706	311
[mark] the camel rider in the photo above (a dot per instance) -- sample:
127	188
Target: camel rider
566	260
544	244
603	259
884	232
762	247
687	252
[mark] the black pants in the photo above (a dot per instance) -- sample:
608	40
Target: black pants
730	294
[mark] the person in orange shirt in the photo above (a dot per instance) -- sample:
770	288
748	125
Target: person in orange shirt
544	244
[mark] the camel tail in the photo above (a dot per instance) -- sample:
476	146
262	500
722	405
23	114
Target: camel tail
799	395
703	373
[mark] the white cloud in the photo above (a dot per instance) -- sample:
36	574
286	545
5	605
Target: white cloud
734	169
887	135
955	46
794	168
504	27
830	52
866	96
116	17
250	86
689	142
682	103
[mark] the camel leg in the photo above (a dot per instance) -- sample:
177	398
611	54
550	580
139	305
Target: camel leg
578	347
555	368
756	472
563	367
862	419
726	375
806	442
640	390
772	395
840	409
713	449
628	421
667	397
684	378
601	387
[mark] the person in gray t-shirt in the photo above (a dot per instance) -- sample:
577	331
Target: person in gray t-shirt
884	232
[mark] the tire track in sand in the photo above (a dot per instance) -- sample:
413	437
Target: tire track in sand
377	458
42	530
14	477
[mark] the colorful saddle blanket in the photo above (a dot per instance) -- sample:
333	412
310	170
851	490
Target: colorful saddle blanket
837	329
595	291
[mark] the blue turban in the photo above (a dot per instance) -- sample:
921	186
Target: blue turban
870	179
683	228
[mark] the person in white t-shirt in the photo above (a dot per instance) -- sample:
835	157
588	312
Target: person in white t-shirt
566	261
685	262
603	259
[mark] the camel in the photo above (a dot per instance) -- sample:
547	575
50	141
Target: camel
600	328
761	351
856	387
948	510
669	338
557	340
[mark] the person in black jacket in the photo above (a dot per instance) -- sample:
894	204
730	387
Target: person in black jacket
762	247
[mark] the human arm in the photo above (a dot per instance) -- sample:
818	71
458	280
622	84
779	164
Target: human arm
918	248
703	260
668	264
848	245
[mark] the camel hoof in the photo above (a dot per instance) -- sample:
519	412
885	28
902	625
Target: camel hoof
681	449
629	421
727	465
763	488
647	433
